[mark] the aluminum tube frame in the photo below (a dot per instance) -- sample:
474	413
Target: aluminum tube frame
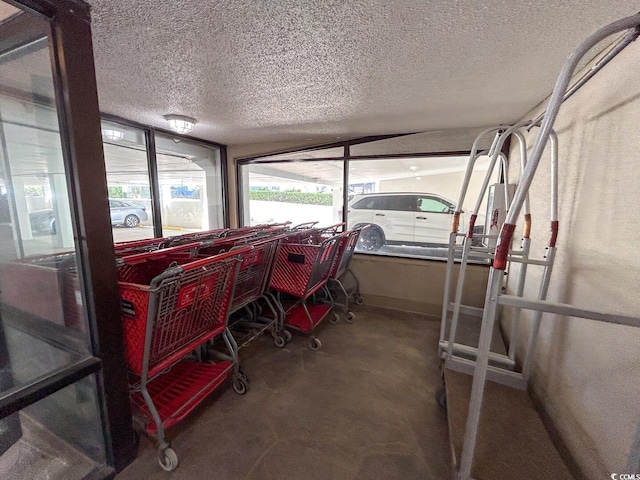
526	241
624	42
447	288
554	105
549	258
480	373
570	311
466	246
493	288
495	152
633	462
542	295
494	374
473	156
522	280
497	359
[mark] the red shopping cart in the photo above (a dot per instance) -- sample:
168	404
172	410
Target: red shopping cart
301	270
52	285
123	249
172	305
340	271
250	296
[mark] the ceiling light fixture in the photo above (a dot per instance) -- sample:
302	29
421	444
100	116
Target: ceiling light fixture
180	123
413	168
112	134
418	178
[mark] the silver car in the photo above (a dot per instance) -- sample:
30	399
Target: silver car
126	213
123	213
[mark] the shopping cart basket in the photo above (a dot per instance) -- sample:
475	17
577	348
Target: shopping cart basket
123	249
172	305
300	271
250	291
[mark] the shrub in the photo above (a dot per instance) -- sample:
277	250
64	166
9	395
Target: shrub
306	198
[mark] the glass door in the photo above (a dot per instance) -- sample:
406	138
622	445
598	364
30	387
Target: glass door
51	420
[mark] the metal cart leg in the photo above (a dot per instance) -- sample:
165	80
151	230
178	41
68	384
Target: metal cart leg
480	374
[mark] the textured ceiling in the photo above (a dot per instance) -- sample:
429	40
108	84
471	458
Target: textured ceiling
308	70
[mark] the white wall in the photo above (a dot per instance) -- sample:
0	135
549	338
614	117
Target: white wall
587	372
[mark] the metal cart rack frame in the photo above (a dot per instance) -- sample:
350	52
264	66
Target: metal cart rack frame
494	298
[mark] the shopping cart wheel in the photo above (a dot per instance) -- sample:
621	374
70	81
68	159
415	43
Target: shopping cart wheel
244	376
335	318
168	459
279	341
350	317
240	386
359	300
288	336
441	397
315	343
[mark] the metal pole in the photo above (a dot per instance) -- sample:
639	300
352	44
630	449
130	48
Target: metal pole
480	374
554	105
497	145
621	45
633	463
550	257
503	246
473	156
526	247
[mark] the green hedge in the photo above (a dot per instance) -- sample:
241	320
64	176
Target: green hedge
307	198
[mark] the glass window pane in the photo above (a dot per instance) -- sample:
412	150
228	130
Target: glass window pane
59	436
408	202
43	325
190	177
298	192
125	156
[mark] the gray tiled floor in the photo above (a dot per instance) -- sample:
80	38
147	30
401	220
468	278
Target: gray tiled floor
360	408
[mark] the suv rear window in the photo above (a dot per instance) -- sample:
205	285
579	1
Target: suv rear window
369	203
404	203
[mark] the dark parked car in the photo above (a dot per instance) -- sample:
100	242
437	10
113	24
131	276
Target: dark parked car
123	213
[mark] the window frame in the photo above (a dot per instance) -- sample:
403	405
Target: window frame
346	158
152	164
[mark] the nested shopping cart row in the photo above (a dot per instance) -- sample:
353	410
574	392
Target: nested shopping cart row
191	302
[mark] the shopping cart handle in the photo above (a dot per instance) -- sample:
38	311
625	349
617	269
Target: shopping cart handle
216	258
143	257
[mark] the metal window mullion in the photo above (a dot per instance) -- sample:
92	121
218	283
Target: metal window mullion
154	181
345	183
20	397
224	172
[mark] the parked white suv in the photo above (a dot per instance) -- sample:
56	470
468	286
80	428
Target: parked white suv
402	219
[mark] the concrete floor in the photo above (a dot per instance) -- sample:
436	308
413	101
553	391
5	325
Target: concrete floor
361	408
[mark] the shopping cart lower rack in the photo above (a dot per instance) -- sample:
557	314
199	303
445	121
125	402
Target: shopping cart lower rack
172	305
